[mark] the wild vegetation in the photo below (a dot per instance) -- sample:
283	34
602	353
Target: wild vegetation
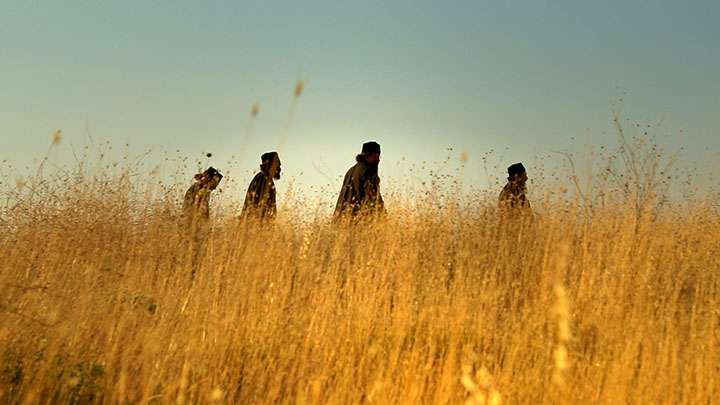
610	293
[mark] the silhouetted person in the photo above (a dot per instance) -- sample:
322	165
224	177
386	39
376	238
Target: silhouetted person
196	210
196	206
260	200
360	192
513	197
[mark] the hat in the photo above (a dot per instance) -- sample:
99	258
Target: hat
212	172
370	148
516	168
269	157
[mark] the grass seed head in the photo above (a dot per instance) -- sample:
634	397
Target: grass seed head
57	137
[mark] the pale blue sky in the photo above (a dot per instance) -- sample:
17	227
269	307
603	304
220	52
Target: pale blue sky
417	76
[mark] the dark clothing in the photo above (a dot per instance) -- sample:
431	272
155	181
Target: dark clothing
513	197
260	198
196	205
371	147
269	157
196	210
360	191
516	169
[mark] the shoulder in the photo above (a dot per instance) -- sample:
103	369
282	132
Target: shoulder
350	172
259	178
359	169
505	191
192	189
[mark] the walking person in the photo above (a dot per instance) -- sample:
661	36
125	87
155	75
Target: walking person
513	198
260	200
196	212
360	193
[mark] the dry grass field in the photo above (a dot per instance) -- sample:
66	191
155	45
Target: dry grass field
437	303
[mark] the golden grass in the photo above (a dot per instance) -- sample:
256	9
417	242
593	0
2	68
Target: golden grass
432	305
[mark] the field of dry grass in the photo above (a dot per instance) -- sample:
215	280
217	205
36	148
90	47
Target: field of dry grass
435	304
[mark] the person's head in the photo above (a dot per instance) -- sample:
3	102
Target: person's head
370	153
517	174
210	178
271	164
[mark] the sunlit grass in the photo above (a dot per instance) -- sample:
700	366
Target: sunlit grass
439	303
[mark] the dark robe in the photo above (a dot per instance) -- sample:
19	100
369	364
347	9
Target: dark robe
513	197
360	191
260	198
196	211
196	204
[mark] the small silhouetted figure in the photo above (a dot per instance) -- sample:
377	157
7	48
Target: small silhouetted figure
360	192
260	200
514	195
196	211
196	205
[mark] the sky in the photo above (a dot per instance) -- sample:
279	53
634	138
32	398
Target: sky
520	78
